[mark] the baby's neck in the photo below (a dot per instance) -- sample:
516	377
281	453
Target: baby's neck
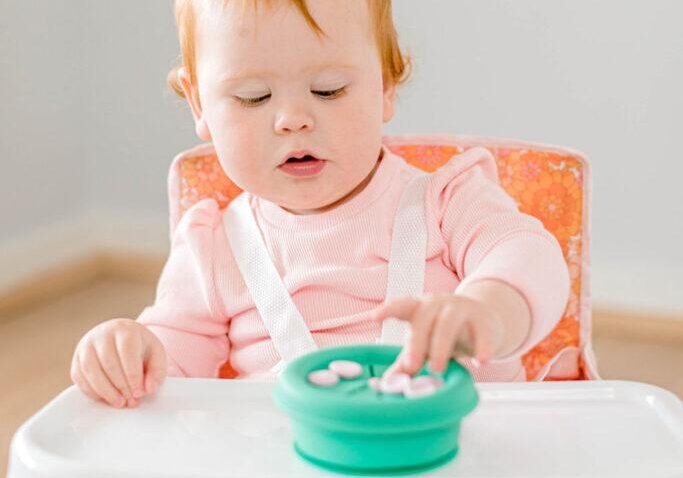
353	193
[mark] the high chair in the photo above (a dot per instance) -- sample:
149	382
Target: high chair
550	183
562	425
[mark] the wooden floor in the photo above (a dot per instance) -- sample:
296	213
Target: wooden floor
36	348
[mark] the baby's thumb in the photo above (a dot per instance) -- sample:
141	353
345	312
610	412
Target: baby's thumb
155	364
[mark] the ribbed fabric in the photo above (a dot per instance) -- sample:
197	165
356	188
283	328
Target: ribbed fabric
334	265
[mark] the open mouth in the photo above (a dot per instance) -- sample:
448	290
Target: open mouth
304	166
308	157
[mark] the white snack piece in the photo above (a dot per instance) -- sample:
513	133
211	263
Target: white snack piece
422	386
394	383
346	368
323	378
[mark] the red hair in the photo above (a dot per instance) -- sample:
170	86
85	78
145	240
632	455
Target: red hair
396	66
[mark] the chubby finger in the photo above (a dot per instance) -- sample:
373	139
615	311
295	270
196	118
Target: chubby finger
80	381
129	347
402	308
487	337
421	329
464	345
108	355
414	352
154	363
98	379
399	365
446	333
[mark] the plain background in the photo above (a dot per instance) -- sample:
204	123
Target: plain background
88	127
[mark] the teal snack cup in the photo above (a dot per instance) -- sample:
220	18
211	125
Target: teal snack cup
351	428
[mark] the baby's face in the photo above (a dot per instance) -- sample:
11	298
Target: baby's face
321	94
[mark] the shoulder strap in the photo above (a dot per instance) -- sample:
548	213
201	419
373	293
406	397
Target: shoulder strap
408	255
282	319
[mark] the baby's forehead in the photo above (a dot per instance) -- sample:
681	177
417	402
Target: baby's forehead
232	35
244	19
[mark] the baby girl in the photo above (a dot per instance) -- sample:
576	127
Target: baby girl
293	95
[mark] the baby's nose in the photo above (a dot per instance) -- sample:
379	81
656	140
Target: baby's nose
293	121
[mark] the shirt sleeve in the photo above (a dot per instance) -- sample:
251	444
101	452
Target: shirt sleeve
187	315
488	238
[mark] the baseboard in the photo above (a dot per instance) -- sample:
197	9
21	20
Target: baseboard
47	285
134	267
634	326
643	286
63	257
66	278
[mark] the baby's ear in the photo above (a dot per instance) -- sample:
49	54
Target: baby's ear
389	98
192	96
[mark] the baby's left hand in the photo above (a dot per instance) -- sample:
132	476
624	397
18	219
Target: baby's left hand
441	326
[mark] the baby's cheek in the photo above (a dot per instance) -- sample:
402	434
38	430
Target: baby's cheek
362	116
239	152
359	128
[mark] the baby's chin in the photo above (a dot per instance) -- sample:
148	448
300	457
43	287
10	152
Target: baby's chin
316	197
316	205
308	205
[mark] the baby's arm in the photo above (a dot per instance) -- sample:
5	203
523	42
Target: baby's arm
491	241
183	334
508	305
485	321
188	315
514	285
524	279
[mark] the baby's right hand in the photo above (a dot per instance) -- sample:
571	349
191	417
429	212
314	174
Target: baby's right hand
119	361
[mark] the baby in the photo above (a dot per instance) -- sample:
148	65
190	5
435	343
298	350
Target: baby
293	95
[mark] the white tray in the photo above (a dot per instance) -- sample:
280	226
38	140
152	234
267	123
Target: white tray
210	428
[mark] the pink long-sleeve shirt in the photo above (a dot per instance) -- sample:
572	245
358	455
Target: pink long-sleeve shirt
334	265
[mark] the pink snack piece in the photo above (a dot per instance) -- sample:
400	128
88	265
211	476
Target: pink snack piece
323	378
422	386
373	383
346	368
394	383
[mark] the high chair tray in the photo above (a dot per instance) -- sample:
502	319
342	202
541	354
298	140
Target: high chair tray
230	428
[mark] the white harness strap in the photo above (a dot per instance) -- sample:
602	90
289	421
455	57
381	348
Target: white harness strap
284	323
408	255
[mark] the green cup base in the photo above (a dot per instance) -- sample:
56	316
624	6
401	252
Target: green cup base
404	470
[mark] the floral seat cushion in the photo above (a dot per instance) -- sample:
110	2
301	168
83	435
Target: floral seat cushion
550	183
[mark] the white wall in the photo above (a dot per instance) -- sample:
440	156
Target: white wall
136	123
602	77
41	151
82	83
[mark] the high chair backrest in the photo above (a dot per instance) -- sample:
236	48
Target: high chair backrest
550	183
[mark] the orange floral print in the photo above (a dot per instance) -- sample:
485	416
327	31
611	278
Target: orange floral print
427	157
202	177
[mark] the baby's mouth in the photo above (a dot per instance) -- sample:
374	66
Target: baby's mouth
305	166
308	157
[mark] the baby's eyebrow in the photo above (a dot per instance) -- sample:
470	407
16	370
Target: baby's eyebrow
244	74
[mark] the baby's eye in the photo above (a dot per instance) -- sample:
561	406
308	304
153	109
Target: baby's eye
329	94
326	94
252	101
